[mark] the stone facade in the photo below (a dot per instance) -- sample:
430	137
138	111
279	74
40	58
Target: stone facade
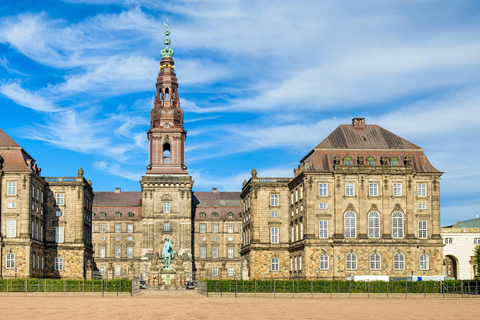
364	195
45	222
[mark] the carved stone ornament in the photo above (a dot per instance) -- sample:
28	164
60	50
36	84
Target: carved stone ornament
80	172
384	160
408	160
254	173
336	159
350	207
360	160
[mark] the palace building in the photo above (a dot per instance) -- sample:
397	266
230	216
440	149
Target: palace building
363	202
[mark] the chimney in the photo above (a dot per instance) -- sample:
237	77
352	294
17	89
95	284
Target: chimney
358	122
118	190
214	190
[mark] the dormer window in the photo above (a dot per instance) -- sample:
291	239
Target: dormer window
347	161
215	215
230	215
371	161
394	162
130	214
202	215
103	214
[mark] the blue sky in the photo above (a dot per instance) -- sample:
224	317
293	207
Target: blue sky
261	83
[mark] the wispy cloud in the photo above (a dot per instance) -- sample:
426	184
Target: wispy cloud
26	98
117	170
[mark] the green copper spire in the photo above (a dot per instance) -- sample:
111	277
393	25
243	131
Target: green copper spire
167	52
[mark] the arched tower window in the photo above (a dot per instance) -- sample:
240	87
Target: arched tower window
173	94
166	94
166	153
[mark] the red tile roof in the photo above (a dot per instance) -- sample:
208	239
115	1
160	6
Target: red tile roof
6	141
14	157
117	199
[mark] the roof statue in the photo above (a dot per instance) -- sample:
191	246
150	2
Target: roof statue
167	52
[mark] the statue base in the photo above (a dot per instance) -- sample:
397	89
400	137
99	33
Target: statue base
168	277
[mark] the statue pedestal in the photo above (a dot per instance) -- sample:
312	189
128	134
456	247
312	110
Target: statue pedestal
168	277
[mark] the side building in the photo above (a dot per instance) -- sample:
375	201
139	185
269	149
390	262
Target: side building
45	223
460	241
363	202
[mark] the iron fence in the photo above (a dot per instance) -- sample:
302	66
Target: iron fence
338	288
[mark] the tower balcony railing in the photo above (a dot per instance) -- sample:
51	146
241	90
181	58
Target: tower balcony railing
60	179
269	180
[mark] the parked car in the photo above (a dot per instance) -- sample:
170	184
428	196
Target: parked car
190	285
142	285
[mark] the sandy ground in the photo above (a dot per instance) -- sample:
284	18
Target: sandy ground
192	306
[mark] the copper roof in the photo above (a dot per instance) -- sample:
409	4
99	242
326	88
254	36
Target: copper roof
117	199
368	137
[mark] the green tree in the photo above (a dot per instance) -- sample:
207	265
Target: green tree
477	259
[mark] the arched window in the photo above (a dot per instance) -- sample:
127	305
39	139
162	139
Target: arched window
424	262
397	225
347	161
275	264
324	262
399	261
118	215
10	261
375	261
394	162
166	153
373	225
166	94
350	225
103	214
351	261
230	215
202	214
371	161
59	263
215	215
130	214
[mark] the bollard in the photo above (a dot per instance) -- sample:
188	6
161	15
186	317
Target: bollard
406	289
331	288
462	288
425	289
235	288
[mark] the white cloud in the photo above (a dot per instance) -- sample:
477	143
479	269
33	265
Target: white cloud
26	98
117	170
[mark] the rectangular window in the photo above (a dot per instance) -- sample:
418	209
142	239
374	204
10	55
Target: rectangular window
11	204
166	207
322	189
166	226
118	228
59	234
214	228
215	239
102	252
274	235
11	228
118	252
60	199
448	240
240	228
230	228
203	252
203	228
349	189
102	238
118	270
373	189
422	229
323	205
422	189
202	238
230	252
59	213
11	188
230	238
274	200
58	263
102	228
214	252
397	189
214	271
230	271
129	228
296	195
117	238
129	252
130	238
476	241
102	270
422	206
323	227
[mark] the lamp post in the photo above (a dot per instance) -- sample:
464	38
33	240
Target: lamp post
234	275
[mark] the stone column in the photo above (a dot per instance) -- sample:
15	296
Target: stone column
223	271
201	272
110	271
88	273
154	273
180	276
131	271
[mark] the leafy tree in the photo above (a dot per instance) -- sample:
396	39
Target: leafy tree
477	259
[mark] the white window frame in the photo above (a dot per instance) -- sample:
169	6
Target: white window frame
59	234
323	205
397	225
274	236
230	252
214	228
129	252
274	200
422	189
397	189
60	199
230	228
58	263
448	240
102	270
118	252
10	261
11	188
375	261
349	189
274	214
323	189
230	271
101	252
399	261
350	225
422	229
214	252
324	262
166	207
424	262
275	264
214	271
373	189
422	206
130	228
203	252
11	228
203	228
374	225
476	241
118	270
11	204
166	226
59	213
118	228
351	261
323	229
